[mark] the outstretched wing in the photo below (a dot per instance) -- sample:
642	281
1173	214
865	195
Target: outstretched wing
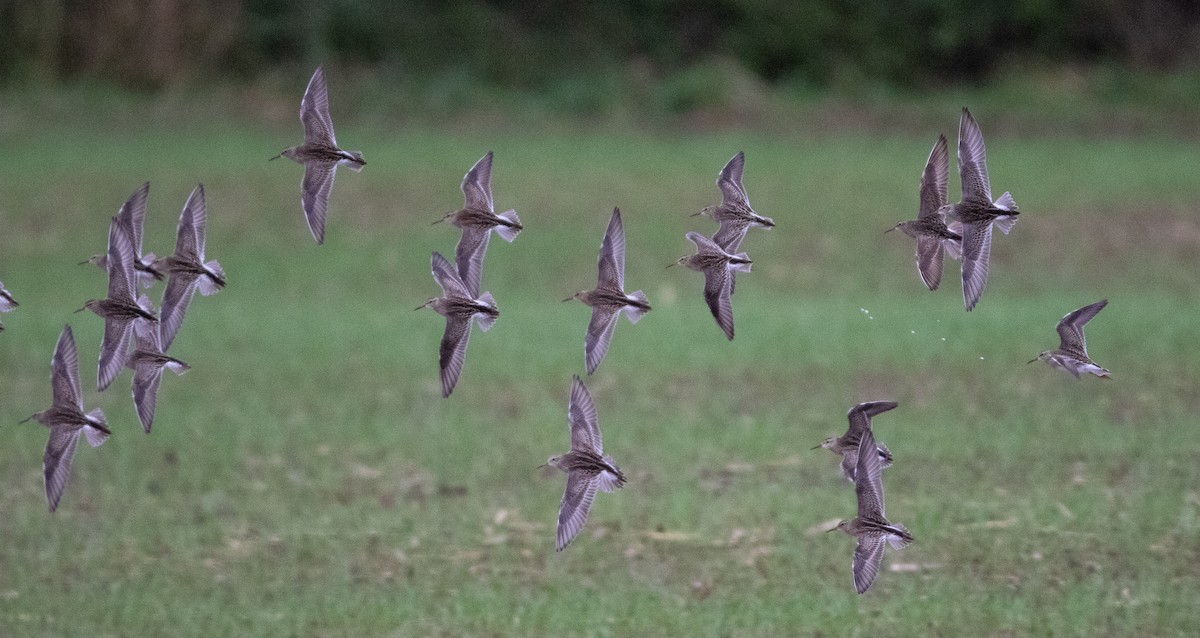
453	351
469	253
181	287
716	294
114	350
582	418
868	478
976	259
576	503
447	278
477	185
120	263
930	259
64	372
731	233
133	216
599	334
868	554
314	195
612	254
146	378
314	111
730	181
1070	327
972	160
56	463
935	178
860	415
189	238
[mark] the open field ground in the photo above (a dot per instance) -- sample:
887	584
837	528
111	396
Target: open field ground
306	477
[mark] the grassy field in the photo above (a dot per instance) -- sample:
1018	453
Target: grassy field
306	478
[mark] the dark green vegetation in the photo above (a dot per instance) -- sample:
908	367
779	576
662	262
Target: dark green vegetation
561	47
306	478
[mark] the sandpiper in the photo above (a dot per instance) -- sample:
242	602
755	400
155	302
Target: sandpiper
7	303
458	306
734	212
608	298
187	269
977	212
148	361
133	216
66	419
477	218
1071	354
871	526
847	444
588	468
119	309
929	229
717	266
319	154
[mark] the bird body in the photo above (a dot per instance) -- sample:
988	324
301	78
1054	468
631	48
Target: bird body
1071	354
187	269
734	213
66	419
717	266
934	239
119	310
847	445
459	307
608	299
871	527
319	154
477	218
588	469
975	215
148	361
132	216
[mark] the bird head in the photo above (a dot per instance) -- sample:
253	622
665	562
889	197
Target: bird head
827	443
1042	356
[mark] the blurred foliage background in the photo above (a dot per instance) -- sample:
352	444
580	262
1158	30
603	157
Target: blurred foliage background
592	54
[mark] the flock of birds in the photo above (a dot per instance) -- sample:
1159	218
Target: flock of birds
135	337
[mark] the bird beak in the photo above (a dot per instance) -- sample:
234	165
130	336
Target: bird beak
815	448
1034	359
536	468
82	309
84	262
669	265
831	530
889	230
26	419
440	220
568	299
695	214
275	158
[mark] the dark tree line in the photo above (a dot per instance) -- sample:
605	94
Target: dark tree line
153	43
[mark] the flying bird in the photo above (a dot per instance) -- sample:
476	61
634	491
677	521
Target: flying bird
477	218
7	303
717	266
1071	354
734	212
186	268
459	307
608	298
148	361
871	526
588	468
65	418
929	229
120	308
976	213
846	445
133	217
319	154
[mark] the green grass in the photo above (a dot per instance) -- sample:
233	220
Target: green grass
306	478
